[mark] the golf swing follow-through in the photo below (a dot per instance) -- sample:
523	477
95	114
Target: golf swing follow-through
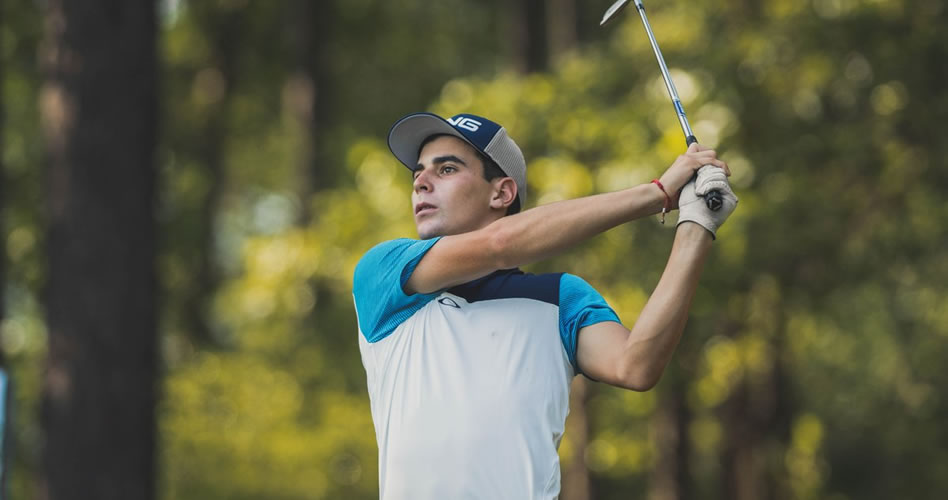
712	194
469	360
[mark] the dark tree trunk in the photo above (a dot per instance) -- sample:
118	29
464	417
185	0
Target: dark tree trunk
588	17
577	485
528	35
669	478
756	418
98	105
561	23
306	90
744	477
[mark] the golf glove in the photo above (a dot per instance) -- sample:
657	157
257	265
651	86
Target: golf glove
692	206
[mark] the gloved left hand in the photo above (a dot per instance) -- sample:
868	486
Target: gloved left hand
691	202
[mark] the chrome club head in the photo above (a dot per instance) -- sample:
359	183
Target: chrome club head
613	11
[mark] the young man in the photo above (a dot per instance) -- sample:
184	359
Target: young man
468	359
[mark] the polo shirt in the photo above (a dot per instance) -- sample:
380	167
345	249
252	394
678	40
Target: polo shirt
469	386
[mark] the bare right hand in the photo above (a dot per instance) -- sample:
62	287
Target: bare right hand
685	166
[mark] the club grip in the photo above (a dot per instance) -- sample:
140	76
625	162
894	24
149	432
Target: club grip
713	198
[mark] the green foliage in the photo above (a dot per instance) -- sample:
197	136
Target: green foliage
22	331
823	307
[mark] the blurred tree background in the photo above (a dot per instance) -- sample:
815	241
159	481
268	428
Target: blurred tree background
812	363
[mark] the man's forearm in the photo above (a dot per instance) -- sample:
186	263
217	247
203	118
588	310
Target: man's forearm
548	230
657	331
528	237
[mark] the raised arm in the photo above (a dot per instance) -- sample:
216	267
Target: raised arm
610	353
636	359
547	230
529	236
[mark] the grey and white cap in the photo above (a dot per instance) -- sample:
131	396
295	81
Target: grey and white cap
407	134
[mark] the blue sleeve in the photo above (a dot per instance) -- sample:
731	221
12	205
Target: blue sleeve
580	306
380	301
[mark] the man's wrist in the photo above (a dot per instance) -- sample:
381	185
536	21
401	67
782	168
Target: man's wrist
670	184
694	232
656	198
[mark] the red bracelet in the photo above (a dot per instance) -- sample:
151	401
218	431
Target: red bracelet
668	199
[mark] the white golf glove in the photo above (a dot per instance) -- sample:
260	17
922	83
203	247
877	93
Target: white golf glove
692	206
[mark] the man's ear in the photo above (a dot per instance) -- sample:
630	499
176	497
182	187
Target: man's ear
505	193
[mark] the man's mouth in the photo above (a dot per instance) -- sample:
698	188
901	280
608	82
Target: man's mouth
424	207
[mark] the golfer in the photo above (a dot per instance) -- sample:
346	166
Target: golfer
468	359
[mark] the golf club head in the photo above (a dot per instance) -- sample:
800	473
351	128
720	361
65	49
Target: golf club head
613	11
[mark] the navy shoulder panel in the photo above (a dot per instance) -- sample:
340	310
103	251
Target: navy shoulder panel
512	284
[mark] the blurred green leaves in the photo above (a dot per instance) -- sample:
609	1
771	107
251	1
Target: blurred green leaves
818	332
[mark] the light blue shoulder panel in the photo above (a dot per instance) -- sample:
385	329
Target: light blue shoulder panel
381	302
580	306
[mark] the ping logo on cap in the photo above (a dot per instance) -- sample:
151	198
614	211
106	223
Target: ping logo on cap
465	123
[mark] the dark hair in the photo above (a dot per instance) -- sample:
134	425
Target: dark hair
491	169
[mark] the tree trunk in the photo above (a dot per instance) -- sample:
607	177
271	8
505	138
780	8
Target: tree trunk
742	477
528	35
669	477
577	484
561	27
756	417
305	93
98	105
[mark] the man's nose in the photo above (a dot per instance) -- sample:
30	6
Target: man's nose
422	182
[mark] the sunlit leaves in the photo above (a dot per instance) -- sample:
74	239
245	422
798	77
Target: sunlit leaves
832	269
245	429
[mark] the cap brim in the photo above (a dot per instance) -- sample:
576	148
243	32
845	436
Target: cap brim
407	134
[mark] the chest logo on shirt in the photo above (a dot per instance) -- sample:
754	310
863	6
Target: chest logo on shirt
448	301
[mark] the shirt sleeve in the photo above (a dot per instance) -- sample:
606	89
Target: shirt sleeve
377	286
580	306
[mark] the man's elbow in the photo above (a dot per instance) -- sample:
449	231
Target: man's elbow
640	378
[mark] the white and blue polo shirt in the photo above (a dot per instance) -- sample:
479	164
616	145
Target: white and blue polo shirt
469	387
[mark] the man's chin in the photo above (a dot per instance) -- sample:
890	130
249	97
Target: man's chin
427	231
431	229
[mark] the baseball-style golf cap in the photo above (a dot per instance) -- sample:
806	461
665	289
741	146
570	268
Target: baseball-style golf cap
489	138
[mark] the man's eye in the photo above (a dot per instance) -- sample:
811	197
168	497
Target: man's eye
447	169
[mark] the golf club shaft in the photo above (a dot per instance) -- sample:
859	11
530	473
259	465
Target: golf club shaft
713	198
669	84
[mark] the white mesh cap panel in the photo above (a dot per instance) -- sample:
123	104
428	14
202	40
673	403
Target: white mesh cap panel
503	150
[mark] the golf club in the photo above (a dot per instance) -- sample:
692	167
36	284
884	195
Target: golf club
713	198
